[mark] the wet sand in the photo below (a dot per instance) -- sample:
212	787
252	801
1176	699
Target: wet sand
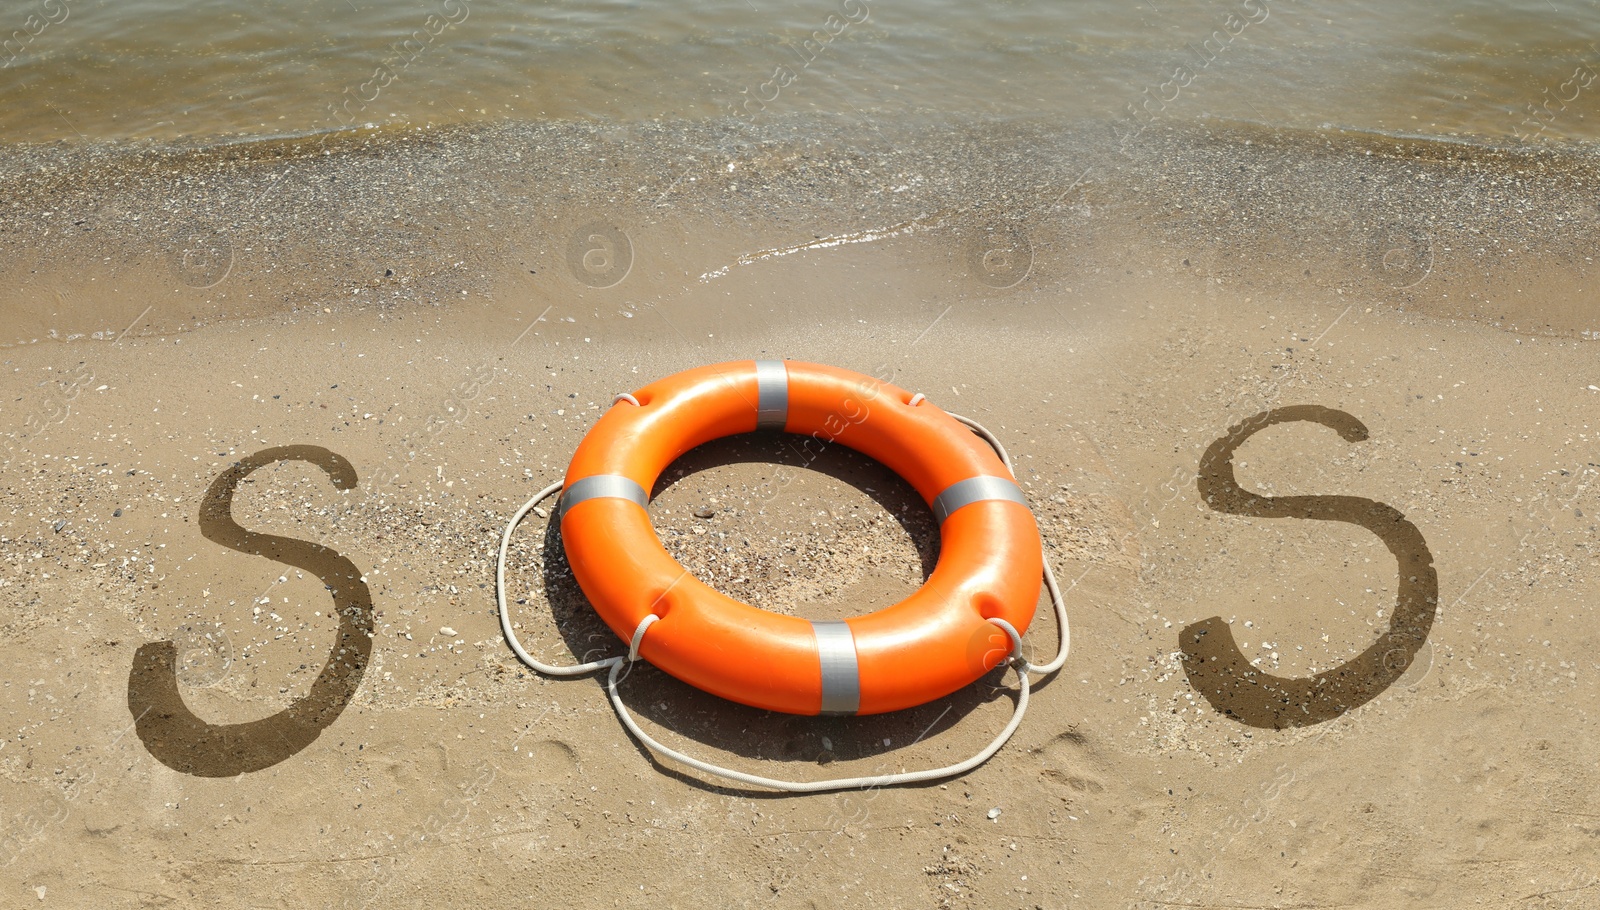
1110	316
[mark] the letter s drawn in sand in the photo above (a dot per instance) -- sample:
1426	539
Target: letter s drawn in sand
184	742
1212	659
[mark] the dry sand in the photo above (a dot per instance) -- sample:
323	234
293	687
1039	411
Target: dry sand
380	304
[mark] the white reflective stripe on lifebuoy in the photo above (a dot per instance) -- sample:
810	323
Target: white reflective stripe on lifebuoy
975	489
772	395
841	678
603	486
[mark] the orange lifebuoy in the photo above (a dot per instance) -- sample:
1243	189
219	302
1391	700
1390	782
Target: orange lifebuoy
928	645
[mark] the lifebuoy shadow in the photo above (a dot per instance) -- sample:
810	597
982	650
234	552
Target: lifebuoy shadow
790	452
183	741
1212	659
792	741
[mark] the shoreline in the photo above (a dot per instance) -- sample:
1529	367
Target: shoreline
424	218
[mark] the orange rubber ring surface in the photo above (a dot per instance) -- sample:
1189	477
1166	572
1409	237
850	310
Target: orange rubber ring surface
927	646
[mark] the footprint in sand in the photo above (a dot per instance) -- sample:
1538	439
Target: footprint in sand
1073	765
551	759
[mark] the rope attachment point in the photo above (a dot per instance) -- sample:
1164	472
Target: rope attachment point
638	636
1014	658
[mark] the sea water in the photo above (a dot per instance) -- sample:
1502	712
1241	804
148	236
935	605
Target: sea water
222	70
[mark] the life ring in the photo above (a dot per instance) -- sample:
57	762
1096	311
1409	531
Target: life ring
927	646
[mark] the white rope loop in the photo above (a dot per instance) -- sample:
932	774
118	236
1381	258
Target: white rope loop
624	396
616	664
819	786
505	615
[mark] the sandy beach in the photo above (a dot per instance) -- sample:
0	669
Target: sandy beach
436	317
